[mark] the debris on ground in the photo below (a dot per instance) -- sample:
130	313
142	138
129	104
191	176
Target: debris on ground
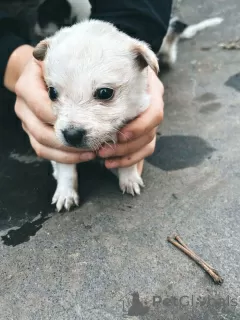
231	45
178	242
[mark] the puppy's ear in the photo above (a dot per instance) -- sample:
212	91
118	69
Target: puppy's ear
40	50
145	56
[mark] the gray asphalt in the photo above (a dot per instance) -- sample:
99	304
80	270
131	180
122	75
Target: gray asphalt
110	258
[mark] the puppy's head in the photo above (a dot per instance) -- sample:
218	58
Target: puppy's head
97	81
51	16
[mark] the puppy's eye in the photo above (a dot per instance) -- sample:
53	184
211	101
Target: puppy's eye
104	94
53	94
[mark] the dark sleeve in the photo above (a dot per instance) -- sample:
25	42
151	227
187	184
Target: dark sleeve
9	41
146	20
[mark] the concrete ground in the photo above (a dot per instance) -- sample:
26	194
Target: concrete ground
86	264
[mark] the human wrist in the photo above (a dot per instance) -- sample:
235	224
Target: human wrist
16	63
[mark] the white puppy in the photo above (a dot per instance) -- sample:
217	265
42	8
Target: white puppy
97	81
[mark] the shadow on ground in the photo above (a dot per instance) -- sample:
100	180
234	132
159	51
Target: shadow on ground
179	152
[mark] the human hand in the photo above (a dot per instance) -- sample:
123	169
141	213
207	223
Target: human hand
33	107
138	138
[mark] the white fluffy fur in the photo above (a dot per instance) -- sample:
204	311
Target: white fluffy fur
91	55
49	30
80	59
80	8
170	43
192	30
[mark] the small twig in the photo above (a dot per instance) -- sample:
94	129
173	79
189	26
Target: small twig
176	237
177	242
193	253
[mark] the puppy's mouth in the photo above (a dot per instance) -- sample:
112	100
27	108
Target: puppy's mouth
78	138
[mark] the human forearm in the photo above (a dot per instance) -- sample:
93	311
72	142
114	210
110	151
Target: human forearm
145	20
11	39
16	63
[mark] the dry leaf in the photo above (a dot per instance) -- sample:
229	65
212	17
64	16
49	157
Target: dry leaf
231	45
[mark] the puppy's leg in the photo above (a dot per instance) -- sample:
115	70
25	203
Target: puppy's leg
130	180
66	193
178	30
55	172
167	54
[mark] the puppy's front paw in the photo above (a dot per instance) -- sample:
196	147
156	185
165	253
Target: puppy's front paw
66	198
130	181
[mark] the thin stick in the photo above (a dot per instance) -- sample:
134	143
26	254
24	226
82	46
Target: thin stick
213	274
176	237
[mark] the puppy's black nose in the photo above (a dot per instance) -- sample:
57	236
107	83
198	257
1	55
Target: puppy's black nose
74	137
